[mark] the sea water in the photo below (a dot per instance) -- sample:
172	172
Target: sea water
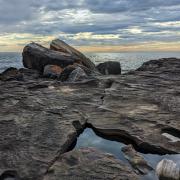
128	60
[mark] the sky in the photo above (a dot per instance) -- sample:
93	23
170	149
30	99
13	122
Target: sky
92	25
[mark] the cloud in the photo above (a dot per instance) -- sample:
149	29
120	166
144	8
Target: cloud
90	22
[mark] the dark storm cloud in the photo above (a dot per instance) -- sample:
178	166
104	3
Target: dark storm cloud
133	20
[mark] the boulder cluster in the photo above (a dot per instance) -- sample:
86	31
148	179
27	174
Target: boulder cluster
64	62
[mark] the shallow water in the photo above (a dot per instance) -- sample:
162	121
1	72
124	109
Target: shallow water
89	139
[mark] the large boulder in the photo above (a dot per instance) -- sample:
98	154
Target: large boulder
37	57
52	71
80	58
109	67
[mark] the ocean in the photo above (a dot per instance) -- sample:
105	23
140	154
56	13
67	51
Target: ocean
128	60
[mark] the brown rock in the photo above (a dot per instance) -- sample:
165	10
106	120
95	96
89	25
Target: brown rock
80	58
52	71
89	164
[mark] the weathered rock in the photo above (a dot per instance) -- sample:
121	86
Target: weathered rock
162	65
109	67
77	75
136	160
11	74
167	169
89	164
66	72
52	71
37	57
40	118
80	58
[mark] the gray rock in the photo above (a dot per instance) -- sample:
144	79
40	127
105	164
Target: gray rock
77	75
61	46
11	74
109	67
37	57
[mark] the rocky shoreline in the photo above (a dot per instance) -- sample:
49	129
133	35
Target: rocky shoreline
43	112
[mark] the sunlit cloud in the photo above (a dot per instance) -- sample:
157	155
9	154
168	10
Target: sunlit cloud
91	23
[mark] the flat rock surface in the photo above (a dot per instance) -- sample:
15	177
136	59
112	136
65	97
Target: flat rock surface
41	118
89	164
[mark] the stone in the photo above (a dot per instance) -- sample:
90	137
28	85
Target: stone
37	57
66	72
136	160
11	74
41	118
61	46
89	164
109	67
167	169
77	75
52	71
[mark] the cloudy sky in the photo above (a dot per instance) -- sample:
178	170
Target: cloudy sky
92	25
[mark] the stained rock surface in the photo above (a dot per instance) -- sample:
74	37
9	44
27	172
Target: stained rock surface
41	118
89	164
61	46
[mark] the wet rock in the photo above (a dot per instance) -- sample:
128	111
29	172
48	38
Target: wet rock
52	71
109	67
167	169
37	57
89	164
11	74
136	160
80	58
77	75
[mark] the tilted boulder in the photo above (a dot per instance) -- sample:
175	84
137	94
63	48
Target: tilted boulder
52	71
109	67
80	58
37	57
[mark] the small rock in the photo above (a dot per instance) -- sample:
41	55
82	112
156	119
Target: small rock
11	74
77	75
52	71
80	58
109	67
136	160
167	169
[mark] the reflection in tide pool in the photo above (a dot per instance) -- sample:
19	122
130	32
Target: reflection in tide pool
89	139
